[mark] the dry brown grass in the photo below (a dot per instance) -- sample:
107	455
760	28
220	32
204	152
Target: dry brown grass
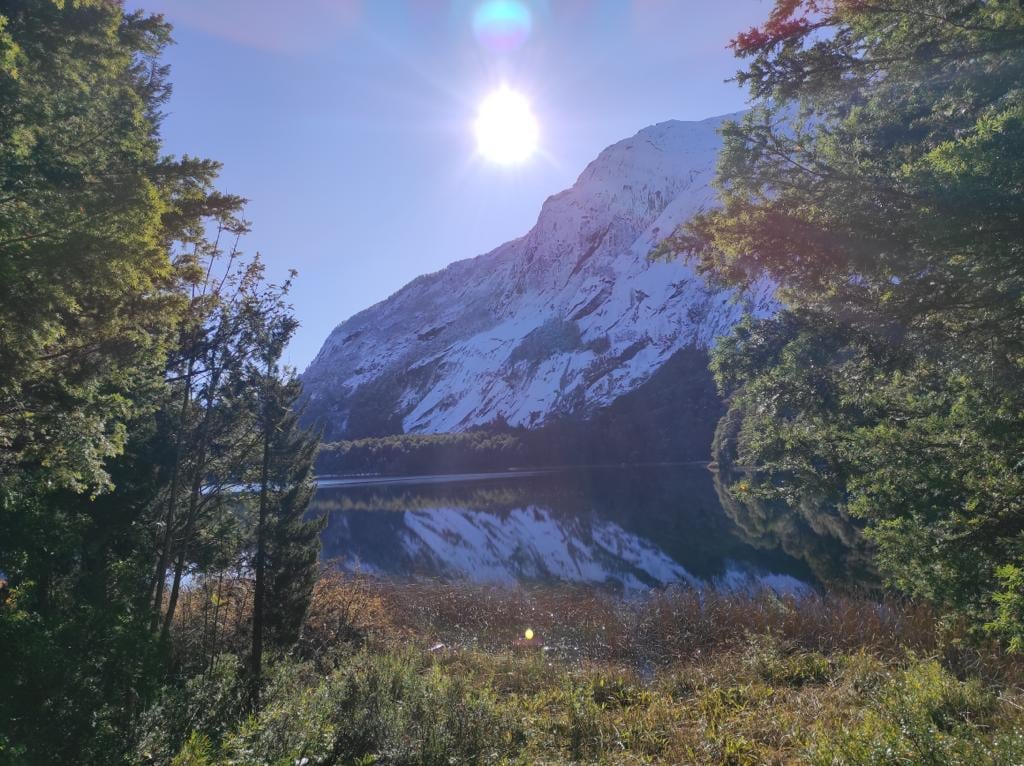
213	617
663	626
672	677
580	624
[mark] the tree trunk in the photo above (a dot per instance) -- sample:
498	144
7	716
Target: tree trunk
168	538
172	601
193	511
260	564
195	493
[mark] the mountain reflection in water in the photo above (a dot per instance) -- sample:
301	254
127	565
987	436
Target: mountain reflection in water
624	528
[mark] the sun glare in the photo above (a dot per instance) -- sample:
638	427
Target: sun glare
506	128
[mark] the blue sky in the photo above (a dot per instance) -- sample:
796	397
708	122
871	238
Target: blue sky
348	123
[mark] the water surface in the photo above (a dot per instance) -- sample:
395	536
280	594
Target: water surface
627	529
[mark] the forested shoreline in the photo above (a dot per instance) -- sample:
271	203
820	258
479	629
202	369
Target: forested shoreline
161	598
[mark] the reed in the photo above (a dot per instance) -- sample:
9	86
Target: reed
442	673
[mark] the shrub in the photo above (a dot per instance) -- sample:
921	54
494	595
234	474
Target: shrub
776	662
1009	599
197	751
924	716
190	719
395	708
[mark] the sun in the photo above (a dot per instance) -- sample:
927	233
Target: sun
506	128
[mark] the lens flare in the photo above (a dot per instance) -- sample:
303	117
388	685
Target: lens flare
502	25
506	129
528	634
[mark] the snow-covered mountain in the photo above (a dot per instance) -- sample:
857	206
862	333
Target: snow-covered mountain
559	322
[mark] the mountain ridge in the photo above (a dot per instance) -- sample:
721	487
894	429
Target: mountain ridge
557	323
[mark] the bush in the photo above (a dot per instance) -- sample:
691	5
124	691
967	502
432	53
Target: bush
394	708
924	716
1009	599
190	719
432	673
776	662
198	751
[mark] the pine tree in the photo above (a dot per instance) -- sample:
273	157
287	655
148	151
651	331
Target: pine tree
293	542
93	222
286	546
879	183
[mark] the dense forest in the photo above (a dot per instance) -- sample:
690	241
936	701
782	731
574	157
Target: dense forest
160	597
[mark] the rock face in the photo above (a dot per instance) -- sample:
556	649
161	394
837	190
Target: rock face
558	323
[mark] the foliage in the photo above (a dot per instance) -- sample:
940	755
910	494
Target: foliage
129	319
286	546
809	528
1009	621
88	209
89	213
878	183
293	542
191	715
422	453
924	715
807	684
390	708
154	476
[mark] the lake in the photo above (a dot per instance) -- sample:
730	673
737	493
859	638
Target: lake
627	529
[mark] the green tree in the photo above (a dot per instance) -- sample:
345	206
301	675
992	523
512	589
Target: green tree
879	182
286	545
88	211
293	542
96	227
140	384
207	411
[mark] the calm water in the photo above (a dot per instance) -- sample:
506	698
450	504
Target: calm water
624	528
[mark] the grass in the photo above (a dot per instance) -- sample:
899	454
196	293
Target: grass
439	674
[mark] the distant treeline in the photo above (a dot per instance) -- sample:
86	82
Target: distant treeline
423	453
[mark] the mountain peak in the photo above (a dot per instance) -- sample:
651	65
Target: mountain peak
556	323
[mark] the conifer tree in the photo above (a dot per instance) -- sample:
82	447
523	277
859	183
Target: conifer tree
93	221
286	546
878	182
